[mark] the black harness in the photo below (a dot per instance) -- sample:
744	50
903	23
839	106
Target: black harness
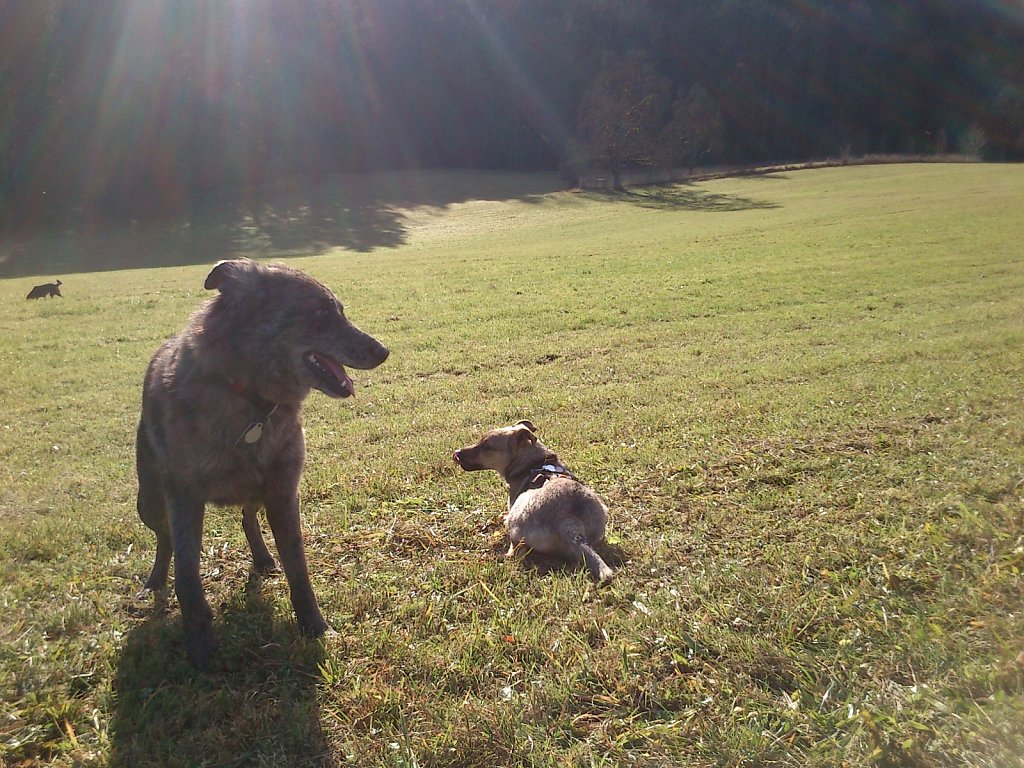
545	472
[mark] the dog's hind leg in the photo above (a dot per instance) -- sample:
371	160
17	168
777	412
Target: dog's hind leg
262	560
153	511
157	581
283	516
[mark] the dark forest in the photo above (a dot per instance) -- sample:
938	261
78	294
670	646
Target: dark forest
121	109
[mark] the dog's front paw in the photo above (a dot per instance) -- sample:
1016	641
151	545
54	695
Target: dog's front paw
158	594
265	566
314	626
201	647
160	601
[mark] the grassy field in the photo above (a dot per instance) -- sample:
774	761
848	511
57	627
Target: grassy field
800	395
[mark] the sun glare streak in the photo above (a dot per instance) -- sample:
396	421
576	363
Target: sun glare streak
20	37
359	78
168	68
551	121
133	92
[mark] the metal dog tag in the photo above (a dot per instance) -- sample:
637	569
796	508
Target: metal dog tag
254	433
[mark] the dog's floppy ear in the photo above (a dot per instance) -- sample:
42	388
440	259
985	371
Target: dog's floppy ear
225	271
526	434
527	424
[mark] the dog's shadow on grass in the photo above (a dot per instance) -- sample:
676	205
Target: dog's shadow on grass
614	555
257	704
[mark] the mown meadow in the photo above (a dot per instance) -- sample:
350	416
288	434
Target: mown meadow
800	395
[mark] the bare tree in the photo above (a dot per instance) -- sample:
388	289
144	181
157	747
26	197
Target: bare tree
695	130
623	112
973	141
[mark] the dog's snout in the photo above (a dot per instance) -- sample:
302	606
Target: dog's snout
359	349
374	353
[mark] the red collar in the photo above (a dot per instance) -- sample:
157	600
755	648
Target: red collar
260	403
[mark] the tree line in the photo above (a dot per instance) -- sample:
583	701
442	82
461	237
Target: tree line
117	109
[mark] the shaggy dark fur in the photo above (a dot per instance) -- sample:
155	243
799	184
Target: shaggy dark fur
220	423
46	289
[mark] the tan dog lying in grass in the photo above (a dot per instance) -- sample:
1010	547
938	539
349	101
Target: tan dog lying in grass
549	510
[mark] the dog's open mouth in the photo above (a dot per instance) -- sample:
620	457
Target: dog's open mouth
328	375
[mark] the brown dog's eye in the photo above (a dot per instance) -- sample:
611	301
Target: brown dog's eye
329	310
325	313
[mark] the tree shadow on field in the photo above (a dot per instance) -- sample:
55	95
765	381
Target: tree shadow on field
257	705
683	197
301	218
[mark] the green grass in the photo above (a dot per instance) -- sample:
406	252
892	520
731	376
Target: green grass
800	395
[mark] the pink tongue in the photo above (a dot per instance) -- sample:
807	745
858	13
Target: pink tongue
337	371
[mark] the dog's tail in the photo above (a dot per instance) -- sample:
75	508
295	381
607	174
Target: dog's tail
575	540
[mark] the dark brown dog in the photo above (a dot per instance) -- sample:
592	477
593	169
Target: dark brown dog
46	289
220	423
549	510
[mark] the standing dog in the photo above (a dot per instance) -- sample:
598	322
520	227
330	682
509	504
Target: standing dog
46	289
549	510
220	423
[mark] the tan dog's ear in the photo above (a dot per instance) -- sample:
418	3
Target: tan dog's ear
527	424
225	271
525	435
